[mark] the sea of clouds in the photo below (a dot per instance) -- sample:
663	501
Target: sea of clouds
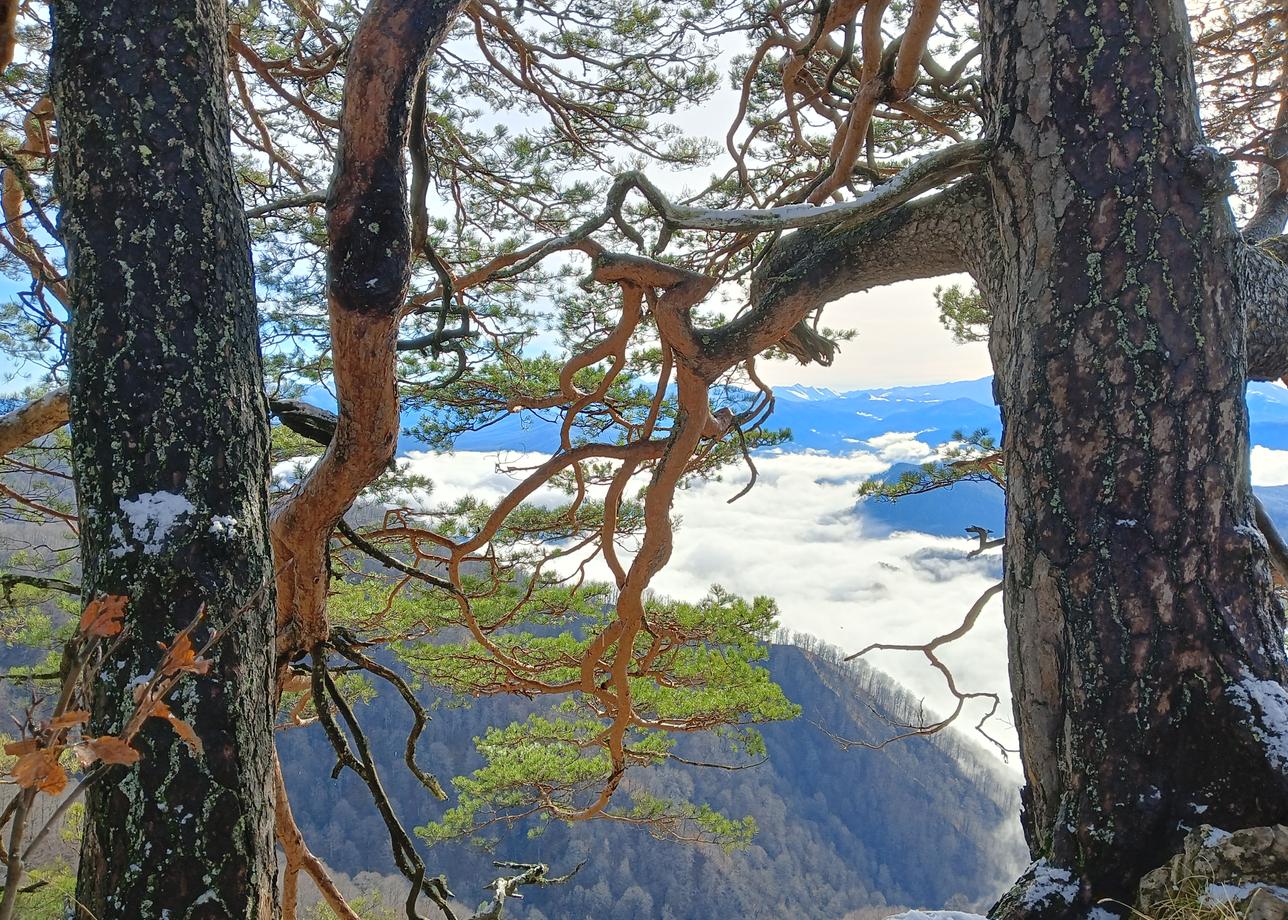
798	538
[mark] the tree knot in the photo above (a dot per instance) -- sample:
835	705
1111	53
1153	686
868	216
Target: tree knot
1212	170
808	346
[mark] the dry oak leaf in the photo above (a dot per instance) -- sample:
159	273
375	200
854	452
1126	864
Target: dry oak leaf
25	746
104	615
182	657
40	770
69	719
296	683
183	729
111	749
84	754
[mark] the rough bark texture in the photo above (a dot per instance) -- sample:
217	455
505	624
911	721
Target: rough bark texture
170	442
368	271
1262	280
1146	646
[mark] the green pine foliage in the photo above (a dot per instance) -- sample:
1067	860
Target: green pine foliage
963	313
972	457
554	762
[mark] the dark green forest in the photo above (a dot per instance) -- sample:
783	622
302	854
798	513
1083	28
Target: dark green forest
924	822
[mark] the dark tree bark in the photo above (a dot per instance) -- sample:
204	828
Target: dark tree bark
170	439
1146	645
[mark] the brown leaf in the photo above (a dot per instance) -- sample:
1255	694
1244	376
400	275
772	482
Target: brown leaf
187	734
183	729
296	683
26	746
69	719
40	770
104	615
182	657
111	749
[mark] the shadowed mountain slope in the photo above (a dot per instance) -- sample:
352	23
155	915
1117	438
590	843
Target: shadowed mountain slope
923	822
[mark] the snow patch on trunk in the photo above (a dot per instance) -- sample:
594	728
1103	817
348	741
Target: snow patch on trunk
1050	883
151	517
1267	702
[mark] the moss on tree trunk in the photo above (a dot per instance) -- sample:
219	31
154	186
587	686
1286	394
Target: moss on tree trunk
1138	594
170	438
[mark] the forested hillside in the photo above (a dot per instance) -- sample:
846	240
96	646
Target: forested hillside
838	830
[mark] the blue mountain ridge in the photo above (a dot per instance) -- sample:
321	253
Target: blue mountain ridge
822	419
819	419
944	512
834	422
948	511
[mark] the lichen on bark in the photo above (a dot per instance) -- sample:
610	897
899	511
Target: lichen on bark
1138	588
170	434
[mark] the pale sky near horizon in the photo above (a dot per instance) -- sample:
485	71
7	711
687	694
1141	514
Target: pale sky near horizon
900	342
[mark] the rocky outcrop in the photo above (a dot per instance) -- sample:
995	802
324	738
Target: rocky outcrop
1246	870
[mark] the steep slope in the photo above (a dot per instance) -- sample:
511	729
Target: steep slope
924	822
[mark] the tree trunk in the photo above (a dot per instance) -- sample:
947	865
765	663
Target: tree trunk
170	438
1147	656
369	265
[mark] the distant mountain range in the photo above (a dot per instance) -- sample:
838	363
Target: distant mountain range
840	833
819	418
944	512
823	419
948	511
826	420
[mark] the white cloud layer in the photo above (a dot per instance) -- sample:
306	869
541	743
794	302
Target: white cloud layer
1269	467
900	447
795	538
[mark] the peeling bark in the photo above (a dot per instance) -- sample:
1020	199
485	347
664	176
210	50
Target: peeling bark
170	432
